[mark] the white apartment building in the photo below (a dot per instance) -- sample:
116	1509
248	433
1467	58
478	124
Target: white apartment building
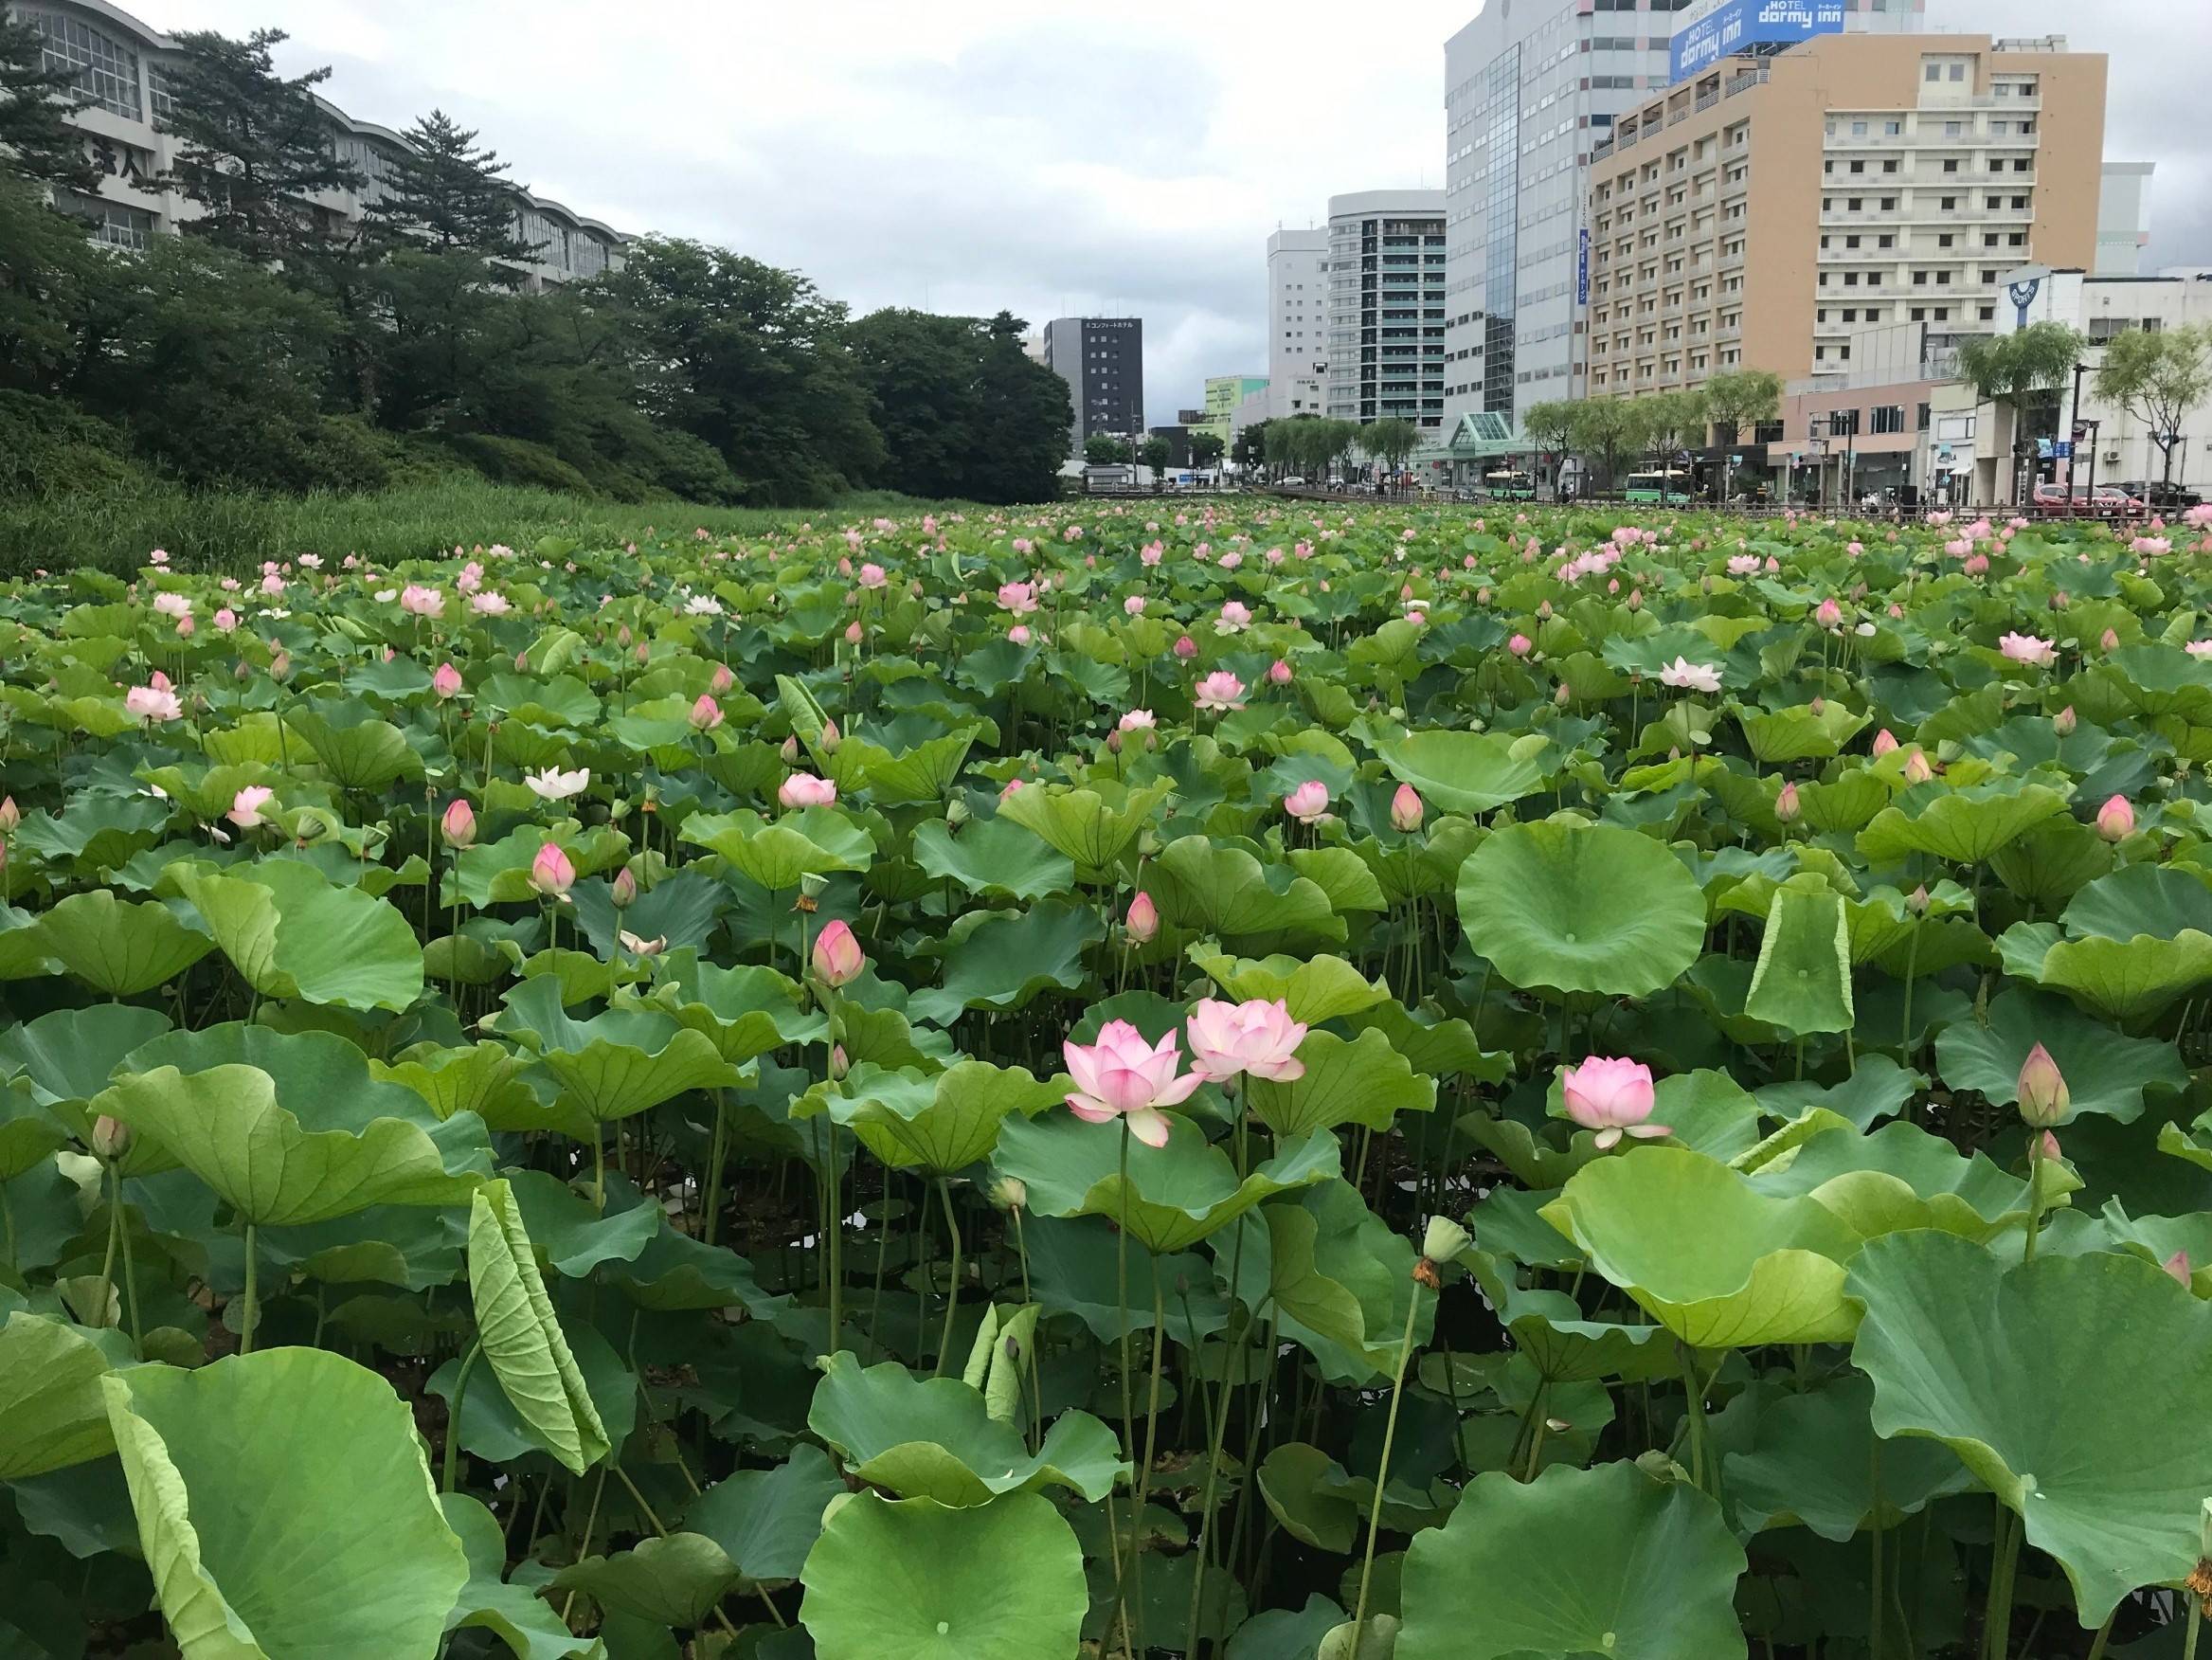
1530	86
1298	287
1386	307
119	61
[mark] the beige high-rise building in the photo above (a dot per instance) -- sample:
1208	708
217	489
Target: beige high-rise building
1762	213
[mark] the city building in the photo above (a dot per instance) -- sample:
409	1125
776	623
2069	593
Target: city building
121	64
1298	286
1386	307
1226	395
1766	212
2123	218
1102	359
1530	87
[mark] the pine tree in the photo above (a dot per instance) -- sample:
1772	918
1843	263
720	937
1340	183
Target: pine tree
35	140
256	147
445	194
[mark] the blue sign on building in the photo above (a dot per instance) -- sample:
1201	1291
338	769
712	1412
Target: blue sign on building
1736	24
1582	269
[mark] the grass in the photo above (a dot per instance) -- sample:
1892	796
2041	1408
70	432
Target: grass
236	531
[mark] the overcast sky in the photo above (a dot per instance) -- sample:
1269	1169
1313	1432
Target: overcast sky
969	156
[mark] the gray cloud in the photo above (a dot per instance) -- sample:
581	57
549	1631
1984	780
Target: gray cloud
969	156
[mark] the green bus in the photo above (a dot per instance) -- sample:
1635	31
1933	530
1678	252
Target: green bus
1509	486
1670	488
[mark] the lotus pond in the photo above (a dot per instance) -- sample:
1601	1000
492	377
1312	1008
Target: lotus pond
1235	1082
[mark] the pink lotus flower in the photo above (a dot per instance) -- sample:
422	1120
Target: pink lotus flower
446	681
1405	809
2043	1096
1612	1096
706	714
246	806
1137	720
1309	803
2063	722
489	604
721	680
421	602
154	701
1829	615
173	604
1885	741
1744	564
1256	1036
1520	645
1220	692
1235	617
550	873
1143	919
1186	648
1133	606
1018	597
226	619
837	957
2026	648
552	785
458	827
803	789
1279	673
872	576
1690	677
1018	634
1122	1077
1786	804
2116	820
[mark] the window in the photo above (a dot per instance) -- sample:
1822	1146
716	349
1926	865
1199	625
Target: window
1889	166
1951	164
1857	129
1886	418
1958	72
1944	240
1987	313
106	71
112	222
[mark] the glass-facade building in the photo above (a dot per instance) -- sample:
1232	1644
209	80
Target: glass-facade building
1386	278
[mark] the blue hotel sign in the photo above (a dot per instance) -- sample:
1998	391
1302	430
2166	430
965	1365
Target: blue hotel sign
1736	24
1582	268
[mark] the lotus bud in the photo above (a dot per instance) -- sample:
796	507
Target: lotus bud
2108	640
2062	723
1405	809
1786	805
111	1137
11	815
841	1063
550	873
723	679
2178	1264
1010	1193
837	957
2116	820
1563	697
458	827
830	737
790	751
1917	901
1544	611
445	682
280	667
1885	741
2043	1096
1635	598
1917	768
1142	921
1279	673
624	890
956	812
706	714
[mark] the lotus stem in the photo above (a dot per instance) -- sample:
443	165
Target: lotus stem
1151	1432
660	1531
1390	1431
130	1269
1996	1613
461	1390
107	1261
1128	1435
1695	1412
2035	1193
1874	1581
252	1315
718	1151
952	1292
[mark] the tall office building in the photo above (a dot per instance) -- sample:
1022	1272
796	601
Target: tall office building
1102	359
1530	86
1298	286
1386	307
1764	212
121	67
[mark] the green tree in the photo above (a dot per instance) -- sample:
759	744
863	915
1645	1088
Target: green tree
50	273
962	411
1022	437
444	194
1250	448
749	358
1550	426
253	148
1391	440
2158	378
1155	453
1672	421
1610	428
1102	450
1207	449
36	142
2021	371
1737	401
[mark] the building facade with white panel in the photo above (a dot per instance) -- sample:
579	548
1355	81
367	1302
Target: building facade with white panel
1386	308
1297	288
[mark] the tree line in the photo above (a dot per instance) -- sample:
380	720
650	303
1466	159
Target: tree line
275	345
1607	432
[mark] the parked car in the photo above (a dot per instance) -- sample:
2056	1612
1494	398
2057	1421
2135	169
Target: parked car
2161	498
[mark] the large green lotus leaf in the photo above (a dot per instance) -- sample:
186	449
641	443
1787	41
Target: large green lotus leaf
1343	1282
1340	874
676	1271
919	1580
993	857
415	1245
1803	980
1561	1342
574	1234
2056	1382
50	1393
1527	1151
1364	1081
1714	1260
1813	1460
923	773
285	1508
497	872
492	1429
1434	1044
748	1010
1845	802
1873	1181
1312	989
306	1158
1001	959
30	1132
2052	863
1293	1481
1964	826
2106	1071
765	1520
1466	773
1582	908
2143	900
676	1579
117	948
1177	1195
1076	1269
1227	891
1578	1561
618	1062
358	751
1876	1088
2157	679
59	1061
2119	980
486	1078
2153	1238
515	1613
776	852
1803	733
934	1437
291	933
521	1336
957	1122
1092	827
